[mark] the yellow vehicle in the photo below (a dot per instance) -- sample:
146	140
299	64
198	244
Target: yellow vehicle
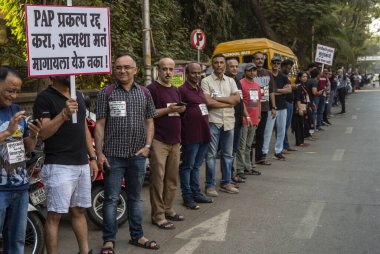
243	51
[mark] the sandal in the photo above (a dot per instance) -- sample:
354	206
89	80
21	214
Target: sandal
238	179
146	245
108	249
175	217
166	225
252	172
264	162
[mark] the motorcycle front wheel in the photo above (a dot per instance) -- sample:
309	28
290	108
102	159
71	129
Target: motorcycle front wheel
34	237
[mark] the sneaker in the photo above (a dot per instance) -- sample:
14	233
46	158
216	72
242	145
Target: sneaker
211	192
279	156
228	188
190	204
202	199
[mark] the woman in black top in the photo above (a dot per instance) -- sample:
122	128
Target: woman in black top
301	123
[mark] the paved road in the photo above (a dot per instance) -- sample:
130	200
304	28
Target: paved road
324	198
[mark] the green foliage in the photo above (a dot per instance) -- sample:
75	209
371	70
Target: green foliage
340	24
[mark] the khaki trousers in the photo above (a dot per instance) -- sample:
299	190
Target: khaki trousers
163	180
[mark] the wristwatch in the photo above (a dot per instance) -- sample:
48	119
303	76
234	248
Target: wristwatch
147	146
92	158
274	108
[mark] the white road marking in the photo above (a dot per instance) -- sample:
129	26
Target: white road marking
214	229
338	155
308	224
354	117
349	130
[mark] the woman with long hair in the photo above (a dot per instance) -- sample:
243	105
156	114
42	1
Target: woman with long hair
301	123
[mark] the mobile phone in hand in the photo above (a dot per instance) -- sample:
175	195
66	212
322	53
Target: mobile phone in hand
181	103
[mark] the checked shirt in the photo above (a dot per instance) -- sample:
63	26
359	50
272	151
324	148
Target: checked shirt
125	135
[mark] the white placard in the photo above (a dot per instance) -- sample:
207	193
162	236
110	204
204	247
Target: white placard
324	54
65	40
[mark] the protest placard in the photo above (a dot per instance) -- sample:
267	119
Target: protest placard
324	54
65	40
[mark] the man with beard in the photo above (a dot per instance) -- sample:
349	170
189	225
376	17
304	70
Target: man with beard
265	80
15	140
66	172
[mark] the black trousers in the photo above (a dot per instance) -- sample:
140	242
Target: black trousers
299	129
342	98
260	136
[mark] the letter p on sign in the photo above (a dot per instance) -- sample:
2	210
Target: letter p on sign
198	39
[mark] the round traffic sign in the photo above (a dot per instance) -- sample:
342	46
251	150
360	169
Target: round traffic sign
198	39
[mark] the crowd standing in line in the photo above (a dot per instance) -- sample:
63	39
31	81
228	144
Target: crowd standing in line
221	112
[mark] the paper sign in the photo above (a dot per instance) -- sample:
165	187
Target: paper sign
16	151
65	40
324	54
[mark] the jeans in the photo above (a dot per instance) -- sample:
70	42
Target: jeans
289	116
13	220
320	103
192	159
280	121
237	134
226	139
133	171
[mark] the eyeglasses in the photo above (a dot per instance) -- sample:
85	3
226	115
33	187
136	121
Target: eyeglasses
124	67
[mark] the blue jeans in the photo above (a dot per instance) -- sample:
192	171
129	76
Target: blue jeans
289	116
226	140
13	219
133	171
320	103
192	159
280	121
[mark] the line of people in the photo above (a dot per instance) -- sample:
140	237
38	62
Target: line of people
217	115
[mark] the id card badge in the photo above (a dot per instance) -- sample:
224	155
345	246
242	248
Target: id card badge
203	109
16	151
118	108
253	98
216	94
172	114
266	93
241	94
253	95
307	98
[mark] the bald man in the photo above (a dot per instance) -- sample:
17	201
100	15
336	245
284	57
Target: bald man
165	154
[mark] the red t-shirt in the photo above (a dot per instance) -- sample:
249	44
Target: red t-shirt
251	99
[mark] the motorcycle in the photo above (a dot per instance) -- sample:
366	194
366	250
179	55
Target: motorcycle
34	237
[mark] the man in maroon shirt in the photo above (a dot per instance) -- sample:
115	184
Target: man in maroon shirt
195	137
165	155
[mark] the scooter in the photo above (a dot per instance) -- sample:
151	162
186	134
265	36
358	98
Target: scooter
34	237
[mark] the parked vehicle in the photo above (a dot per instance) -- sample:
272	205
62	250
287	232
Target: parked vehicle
34	237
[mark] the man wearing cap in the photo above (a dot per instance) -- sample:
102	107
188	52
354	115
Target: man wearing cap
283	88
251	98
265	80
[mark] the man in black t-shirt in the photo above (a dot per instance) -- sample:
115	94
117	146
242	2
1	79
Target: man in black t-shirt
282	88
66	173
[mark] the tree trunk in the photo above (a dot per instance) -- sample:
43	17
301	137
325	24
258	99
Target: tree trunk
269	33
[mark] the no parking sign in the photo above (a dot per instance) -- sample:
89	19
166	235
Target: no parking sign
198	39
